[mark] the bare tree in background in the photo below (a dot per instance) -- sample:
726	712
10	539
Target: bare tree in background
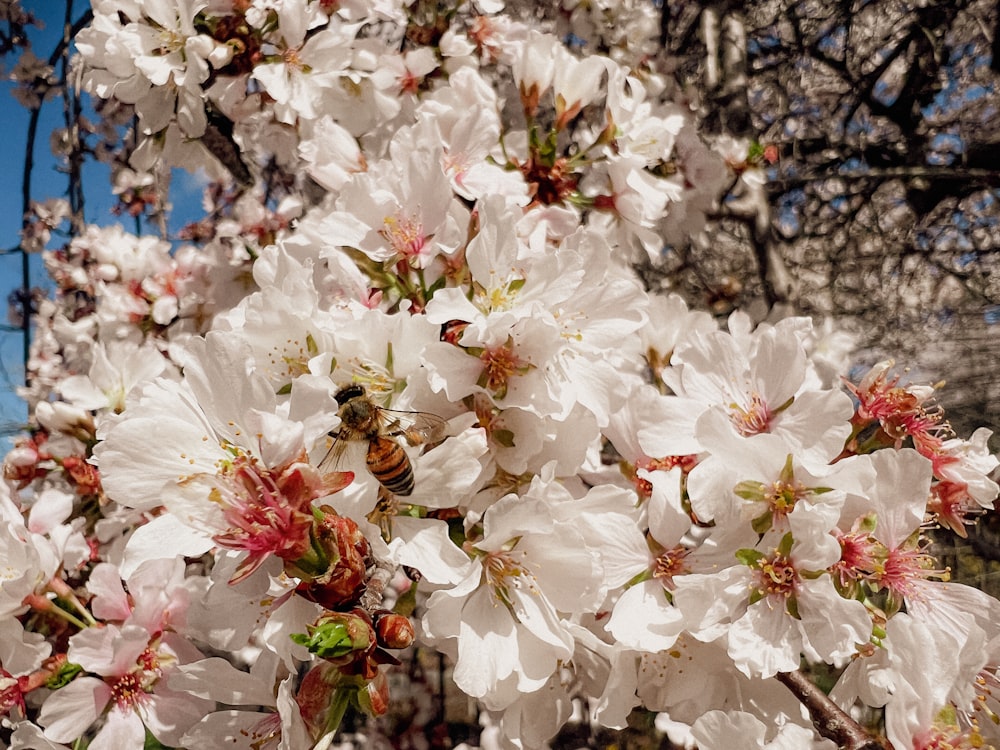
883	209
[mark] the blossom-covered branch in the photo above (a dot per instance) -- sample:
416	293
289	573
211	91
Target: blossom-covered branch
402	384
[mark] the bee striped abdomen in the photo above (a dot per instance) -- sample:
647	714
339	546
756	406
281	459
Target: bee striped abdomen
389	464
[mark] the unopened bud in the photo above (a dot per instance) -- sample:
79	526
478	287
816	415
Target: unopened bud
346	553
58	416
373	699
394	631
337	634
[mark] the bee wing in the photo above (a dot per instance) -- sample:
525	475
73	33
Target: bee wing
415	427
335	453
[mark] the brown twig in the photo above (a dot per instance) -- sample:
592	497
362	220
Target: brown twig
830	721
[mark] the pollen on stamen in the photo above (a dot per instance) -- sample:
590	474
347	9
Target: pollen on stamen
670	563
903	568
499	364
404	235
782	496
776	576
127	691
752	419
504	570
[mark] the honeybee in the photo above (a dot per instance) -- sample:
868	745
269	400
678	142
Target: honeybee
361	419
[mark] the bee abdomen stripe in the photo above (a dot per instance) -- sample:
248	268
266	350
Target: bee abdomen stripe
393	470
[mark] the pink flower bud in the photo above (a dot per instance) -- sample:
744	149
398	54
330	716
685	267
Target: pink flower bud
394	631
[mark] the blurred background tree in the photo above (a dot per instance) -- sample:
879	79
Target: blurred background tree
880	123
882	205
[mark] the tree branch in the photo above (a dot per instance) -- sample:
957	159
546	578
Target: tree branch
971	174
830	721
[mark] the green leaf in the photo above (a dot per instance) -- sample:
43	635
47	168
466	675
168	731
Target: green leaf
151	743
406	603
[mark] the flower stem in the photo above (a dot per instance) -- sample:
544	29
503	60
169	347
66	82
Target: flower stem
341	700
41	604
64	592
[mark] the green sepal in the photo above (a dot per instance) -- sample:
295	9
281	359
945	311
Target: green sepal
787	474
878	633
749	490
645	575
785	545
749	557
331	640
868	523
503	437
64	676
763	522
792	607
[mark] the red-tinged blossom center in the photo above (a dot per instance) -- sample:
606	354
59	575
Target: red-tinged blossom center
903	568
670	563
268	510
953	507
11	694
776	576
901	411
752	418
782	496
857	558
404	234
127	691
499	365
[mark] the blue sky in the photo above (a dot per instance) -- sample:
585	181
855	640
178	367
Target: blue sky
46	182
49	182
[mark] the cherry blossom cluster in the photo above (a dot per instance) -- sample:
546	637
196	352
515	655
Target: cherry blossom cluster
629	505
